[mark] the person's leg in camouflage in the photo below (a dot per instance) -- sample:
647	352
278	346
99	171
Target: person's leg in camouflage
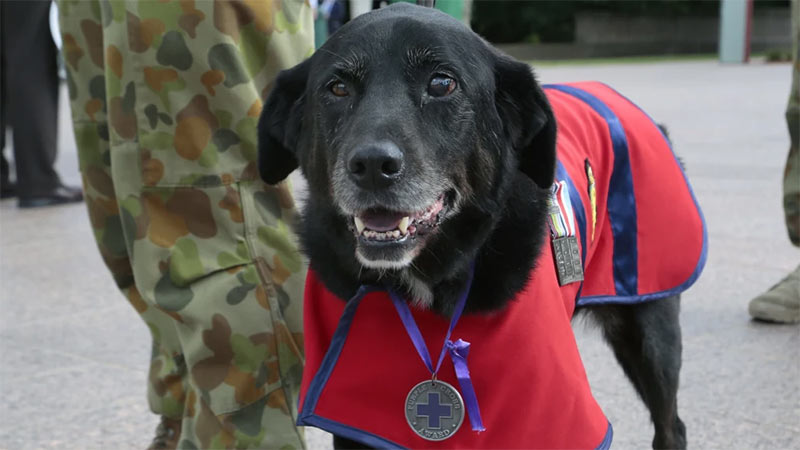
165	99
791	175
166	390
781	303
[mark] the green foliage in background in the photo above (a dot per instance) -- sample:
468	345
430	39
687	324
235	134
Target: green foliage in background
535	21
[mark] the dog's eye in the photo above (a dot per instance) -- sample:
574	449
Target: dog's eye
339	89
441	86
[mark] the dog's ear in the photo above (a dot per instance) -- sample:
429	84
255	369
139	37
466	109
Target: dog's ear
280	122
527	118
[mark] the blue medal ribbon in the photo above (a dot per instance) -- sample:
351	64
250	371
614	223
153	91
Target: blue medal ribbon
458	350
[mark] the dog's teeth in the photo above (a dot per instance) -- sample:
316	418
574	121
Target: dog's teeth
359	224
403	227
395	234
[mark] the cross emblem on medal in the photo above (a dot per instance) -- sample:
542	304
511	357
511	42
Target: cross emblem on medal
434	410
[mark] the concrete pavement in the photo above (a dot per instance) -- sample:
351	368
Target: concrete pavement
73	354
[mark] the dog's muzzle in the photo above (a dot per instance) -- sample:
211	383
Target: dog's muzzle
388	238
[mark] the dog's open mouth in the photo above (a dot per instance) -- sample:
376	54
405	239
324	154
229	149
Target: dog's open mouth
376	225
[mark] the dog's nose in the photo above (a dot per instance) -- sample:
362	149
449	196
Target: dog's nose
375	166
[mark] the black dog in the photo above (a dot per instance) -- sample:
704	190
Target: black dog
426	150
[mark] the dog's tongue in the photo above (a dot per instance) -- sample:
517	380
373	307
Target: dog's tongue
381	220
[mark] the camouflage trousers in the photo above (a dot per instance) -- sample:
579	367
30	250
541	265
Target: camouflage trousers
791	176
165	98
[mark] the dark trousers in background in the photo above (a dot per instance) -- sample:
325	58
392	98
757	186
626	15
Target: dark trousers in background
29	94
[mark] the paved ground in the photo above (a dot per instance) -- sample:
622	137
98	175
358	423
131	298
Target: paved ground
73	354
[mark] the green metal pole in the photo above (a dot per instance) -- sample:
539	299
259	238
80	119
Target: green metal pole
734	30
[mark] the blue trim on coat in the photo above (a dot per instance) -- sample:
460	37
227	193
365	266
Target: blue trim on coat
629	300
621	203
349	432
307	416
606	444
332	355
701	262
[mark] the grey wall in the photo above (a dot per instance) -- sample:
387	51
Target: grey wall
770	29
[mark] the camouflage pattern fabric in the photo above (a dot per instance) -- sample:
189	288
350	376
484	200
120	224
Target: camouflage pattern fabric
165	99
791	176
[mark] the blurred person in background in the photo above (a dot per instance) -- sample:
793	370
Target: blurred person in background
29	83
336	15
781	303
329	15
320	23
165	99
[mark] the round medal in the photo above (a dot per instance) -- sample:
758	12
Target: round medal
434	410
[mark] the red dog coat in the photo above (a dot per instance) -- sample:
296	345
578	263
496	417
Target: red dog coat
527	373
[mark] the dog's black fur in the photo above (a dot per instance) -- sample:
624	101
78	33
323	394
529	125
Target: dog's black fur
486	151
